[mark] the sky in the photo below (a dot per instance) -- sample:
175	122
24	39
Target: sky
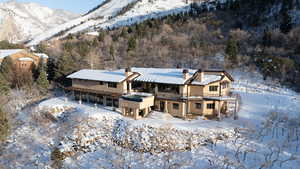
76	6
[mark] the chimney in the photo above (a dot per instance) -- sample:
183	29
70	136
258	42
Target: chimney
200	75
186	74
128	72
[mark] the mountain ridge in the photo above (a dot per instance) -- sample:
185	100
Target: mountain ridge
21	21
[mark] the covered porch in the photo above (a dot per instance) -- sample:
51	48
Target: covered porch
136	105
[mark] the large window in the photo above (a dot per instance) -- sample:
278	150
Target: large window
175	106
198	105
112	85
211	106
137	85
213	88
168	88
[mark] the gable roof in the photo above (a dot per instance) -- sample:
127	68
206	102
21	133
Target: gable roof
8	52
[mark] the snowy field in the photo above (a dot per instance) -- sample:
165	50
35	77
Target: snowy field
266	135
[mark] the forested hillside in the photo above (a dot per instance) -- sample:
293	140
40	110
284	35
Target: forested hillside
197	39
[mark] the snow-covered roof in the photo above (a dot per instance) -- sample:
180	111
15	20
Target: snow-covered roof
8	52
161	75
25	59
207	79
99	75
42	55
152	75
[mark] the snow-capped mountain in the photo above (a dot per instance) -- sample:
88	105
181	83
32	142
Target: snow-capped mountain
114	13
23	21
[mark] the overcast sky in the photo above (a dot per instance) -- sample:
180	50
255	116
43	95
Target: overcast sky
77	6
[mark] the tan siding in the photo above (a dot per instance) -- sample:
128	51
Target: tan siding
94	85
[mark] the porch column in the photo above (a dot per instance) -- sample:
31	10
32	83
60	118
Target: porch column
156	88
166	106
129	87
104	100
146	112
219	110
124	111
136	114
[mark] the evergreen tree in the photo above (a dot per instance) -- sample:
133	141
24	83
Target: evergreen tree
131	43
101	36
232	51
7	70
4	125
42	80
112	52
267	39
286	24
4	85
64	66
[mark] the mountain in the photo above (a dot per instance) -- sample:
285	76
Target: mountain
21	22
114	13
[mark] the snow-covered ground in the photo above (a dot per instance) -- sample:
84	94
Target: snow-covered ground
266	135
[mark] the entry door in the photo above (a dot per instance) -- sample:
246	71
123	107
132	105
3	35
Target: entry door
162	106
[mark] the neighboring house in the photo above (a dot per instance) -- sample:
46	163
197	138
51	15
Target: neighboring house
22	59
137	91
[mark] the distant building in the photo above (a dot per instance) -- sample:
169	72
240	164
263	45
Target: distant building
22	59
137	91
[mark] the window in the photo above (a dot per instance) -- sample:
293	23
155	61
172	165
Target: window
112	85
213	88
225	85
168	88
176	106
109	102
211	106
198	105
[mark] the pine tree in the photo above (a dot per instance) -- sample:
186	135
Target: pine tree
7	70
42	80
4	125
64	66
131	43
4	85
286	24
232	51
112	52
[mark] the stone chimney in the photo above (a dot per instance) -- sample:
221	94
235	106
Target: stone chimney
128	72
200	75
186	74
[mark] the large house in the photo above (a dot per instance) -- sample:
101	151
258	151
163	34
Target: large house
22	59
137	91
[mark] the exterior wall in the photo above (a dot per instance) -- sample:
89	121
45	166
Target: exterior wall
176	112
147	102
206	91
195	90
193	109
168	107
94	85
24	65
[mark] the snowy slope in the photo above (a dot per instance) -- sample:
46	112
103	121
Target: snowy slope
108	16
23	21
